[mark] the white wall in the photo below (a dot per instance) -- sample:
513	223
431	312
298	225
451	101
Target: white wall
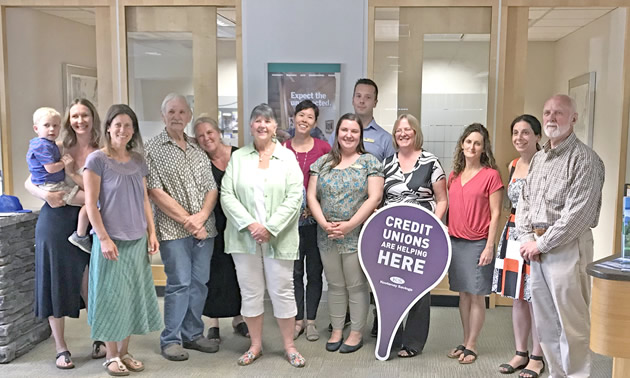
288	31
596	47
37	45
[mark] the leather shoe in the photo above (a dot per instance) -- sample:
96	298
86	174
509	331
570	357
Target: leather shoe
202	344
345	348
332	347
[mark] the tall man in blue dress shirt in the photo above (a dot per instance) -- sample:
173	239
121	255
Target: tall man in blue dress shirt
376	140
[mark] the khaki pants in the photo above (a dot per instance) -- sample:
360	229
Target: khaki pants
561	292
254	273
347	287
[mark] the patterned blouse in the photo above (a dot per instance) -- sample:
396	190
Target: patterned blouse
413	187
185	175
341	192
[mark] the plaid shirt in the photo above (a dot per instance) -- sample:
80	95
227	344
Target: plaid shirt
184	175
562	193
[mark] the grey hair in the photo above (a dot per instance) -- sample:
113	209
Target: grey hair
263	110
173	96
204	118
568	100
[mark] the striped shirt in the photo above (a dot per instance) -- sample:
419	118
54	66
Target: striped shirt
562	193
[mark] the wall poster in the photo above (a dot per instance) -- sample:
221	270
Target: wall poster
290	83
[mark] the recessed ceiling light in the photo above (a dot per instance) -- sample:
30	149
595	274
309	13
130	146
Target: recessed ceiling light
153	53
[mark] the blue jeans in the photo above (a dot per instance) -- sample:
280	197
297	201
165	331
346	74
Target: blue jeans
187	268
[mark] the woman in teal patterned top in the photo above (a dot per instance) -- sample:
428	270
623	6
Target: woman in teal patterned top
346	186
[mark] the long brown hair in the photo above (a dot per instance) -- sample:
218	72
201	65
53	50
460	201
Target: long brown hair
69	137
334	156
487	159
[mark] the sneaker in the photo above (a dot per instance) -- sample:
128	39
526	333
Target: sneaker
202	344
83	242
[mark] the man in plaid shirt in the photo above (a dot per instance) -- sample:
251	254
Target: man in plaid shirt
559	204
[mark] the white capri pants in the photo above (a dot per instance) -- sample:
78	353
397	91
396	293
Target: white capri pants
256	271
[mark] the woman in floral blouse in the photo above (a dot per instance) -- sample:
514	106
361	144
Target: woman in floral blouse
346	186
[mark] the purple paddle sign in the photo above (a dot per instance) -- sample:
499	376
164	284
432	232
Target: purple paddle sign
405	252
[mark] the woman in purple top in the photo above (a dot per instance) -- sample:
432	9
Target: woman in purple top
122	298
307	150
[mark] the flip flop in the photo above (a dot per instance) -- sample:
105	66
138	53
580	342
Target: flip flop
466	353
453	354
131	363
69	364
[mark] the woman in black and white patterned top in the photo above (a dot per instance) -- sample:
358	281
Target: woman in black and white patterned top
413	175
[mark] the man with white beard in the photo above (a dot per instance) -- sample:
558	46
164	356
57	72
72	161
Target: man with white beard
559	204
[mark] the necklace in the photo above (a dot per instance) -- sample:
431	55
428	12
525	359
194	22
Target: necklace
264	153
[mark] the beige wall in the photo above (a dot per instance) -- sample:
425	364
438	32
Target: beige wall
540	74
37	45
599	47
596	47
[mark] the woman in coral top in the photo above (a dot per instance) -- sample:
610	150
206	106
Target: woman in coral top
474	196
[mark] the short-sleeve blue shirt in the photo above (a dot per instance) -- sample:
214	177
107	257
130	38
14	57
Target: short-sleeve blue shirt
43	151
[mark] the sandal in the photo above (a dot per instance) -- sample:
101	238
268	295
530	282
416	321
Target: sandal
66	358
98	350
131	363
248	358
295	359
241	329
466	353
509	369
406	352
454	353
213	334
122	369
532	373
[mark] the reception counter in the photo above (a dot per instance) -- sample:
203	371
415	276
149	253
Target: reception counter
610	313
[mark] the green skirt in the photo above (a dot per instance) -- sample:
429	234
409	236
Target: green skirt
121	296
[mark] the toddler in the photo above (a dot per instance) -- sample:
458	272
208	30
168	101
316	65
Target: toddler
47	168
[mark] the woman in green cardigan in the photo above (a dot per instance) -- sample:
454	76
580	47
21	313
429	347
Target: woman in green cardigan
261	195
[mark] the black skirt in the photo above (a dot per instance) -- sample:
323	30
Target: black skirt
224	294
59	265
